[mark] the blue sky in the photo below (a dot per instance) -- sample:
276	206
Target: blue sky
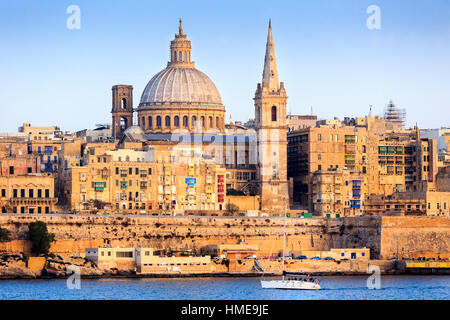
326	56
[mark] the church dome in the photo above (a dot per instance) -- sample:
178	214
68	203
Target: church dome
180	96
181	84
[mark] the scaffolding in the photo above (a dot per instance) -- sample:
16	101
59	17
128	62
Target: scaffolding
395	115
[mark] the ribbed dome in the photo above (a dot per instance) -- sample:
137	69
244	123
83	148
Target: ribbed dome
178	84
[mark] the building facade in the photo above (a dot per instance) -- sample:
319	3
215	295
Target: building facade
27	194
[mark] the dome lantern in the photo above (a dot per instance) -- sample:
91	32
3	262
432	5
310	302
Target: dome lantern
180	49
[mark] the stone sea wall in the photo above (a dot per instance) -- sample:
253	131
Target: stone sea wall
416	236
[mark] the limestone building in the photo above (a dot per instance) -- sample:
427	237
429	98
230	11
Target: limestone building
181	101
27	194
389	161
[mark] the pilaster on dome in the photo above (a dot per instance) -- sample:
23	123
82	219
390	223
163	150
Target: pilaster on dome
180	50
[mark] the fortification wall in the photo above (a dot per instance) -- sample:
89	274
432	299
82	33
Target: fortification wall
414	237
417	236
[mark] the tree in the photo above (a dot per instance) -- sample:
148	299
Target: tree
234	192
232	209
5	235
39	237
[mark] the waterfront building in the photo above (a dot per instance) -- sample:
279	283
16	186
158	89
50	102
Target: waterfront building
145	261
339	254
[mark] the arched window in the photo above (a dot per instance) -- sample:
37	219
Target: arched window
185	121
217	122
158	122
194	120
150	122
175	56
176	121
185	56
167	121
123	124
210	122
143	122
180	56
124	103
274	113
202	121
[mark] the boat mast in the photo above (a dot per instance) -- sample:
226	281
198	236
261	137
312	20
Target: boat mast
284	240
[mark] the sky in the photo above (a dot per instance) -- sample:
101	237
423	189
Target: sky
330	61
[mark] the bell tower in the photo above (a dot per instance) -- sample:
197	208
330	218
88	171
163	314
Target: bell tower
122	109
271	125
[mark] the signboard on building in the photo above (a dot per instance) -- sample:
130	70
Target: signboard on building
190	181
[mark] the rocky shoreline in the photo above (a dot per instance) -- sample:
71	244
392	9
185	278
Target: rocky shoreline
15	266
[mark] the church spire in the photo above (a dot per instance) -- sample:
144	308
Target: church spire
270	73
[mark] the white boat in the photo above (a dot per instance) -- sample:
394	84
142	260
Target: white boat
291	282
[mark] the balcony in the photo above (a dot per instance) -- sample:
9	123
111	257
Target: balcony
32	201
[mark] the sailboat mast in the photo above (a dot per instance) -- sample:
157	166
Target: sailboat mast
284	241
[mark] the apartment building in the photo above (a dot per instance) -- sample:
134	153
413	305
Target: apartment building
27	194
389	161
135	181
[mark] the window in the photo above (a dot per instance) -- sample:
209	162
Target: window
194	120
22	193
158	122
217	122
150	122
185	121
31	193
11	170
210	122
176	121
124	254
47	193
274	113
124	103
167	121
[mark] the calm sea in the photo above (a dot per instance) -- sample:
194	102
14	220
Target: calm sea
392	287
